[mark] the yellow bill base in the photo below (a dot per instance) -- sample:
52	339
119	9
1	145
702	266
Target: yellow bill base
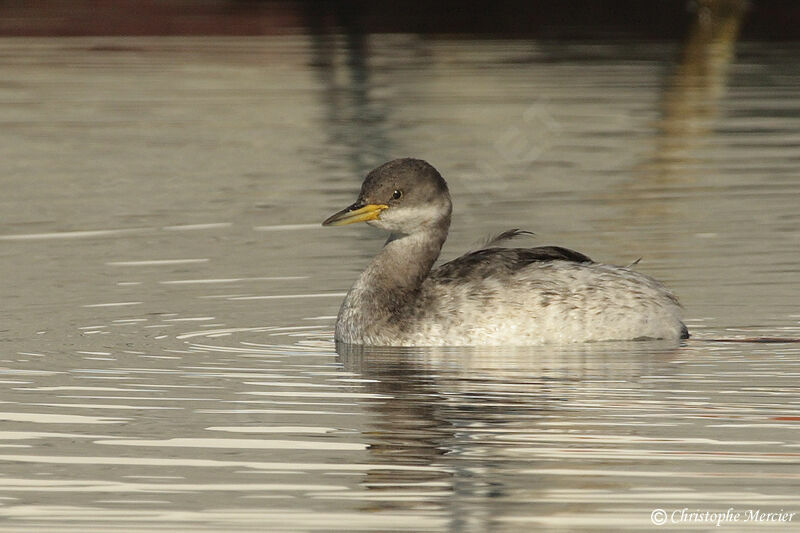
351	216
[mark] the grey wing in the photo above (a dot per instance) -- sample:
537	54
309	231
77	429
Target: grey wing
492	261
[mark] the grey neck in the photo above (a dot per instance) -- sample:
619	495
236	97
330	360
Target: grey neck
392	279
406	260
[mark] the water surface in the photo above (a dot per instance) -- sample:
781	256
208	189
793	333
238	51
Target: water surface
169	295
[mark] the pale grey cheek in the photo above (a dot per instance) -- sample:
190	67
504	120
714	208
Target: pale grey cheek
386	222
406	219
380	224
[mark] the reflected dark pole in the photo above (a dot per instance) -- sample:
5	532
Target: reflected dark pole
691	97
352	120
688	107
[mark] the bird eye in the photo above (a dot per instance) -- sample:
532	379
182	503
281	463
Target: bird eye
397	194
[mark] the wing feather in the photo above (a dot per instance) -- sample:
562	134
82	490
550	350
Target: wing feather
490	261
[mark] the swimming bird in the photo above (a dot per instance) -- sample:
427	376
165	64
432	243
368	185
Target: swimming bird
492	296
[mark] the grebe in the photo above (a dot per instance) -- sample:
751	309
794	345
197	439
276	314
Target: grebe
492	296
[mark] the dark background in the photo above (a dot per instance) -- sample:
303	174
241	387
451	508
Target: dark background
544	19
